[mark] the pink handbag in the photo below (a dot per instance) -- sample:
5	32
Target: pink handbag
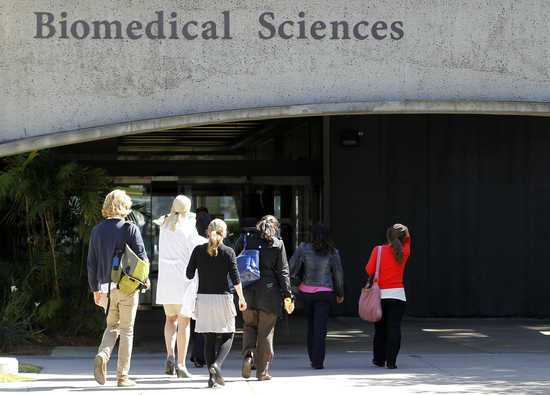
370	308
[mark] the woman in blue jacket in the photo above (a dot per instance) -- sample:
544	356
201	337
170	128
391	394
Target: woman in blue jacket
317	268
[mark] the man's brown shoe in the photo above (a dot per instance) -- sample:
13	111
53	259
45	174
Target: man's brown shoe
100	368
264	377
125	383
247	366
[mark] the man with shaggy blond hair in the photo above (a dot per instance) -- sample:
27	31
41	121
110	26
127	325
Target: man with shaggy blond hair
108	236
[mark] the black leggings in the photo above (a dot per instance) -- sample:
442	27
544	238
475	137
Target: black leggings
387	331
217	351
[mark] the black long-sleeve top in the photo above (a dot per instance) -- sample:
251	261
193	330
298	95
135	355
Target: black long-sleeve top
213	270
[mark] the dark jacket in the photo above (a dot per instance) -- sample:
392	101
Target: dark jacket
317	270
268	292
103	242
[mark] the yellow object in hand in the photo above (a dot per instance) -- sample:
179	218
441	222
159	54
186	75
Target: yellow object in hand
288	305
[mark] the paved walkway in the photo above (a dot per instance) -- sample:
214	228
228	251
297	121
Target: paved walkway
465	356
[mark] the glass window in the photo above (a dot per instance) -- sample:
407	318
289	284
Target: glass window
224	207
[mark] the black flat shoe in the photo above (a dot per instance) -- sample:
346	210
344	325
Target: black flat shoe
216	373
198	364
211	383
378	363
391	365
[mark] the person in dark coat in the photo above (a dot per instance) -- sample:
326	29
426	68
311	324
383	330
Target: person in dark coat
264	297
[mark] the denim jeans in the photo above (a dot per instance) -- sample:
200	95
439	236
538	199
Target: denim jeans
316	308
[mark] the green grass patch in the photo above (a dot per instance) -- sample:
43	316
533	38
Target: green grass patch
29	368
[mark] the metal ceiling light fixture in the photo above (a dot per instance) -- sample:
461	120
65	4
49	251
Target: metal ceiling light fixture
351	138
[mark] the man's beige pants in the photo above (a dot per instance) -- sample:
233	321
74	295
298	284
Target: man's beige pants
120	322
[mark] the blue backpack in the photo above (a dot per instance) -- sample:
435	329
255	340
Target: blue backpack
248	265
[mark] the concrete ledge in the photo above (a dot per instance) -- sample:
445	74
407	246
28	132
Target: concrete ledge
307	110
9	365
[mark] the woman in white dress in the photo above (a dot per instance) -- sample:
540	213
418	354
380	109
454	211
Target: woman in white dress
178	237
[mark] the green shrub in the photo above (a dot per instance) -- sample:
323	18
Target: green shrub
47	210
12	334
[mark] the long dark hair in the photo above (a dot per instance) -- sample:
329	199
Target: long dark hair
396	238
320	240
268	227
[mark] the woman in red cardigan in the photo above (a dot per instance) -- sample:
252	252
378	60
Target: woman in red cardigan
387	331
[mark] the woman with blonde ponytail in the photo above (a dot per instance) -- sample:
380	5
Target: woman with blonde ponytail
177	239
215	237
215	312
393	257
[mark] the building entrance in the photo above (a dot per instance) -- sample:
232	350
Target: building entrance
472	188
239	202
238	171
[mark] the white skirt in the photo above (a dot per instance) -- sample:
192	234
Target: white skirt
215	313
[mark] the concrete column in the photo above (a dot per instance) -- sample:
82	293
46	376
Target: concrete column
326	170
9	365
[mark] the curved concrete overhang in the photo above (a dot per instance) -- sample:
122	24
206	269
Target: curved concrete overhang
306	110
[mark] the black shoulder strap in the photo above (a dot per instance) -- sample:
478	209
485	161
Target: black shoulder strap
122	241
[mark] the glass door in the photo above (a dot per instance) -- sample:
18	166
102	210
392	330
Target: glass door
238	203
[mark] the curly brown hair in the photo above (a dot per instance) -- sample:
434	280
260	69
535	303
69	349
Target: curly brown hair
268	227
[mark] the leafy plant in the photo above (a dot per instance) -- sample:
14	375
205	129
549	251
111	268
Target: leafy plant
47	209
12	333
